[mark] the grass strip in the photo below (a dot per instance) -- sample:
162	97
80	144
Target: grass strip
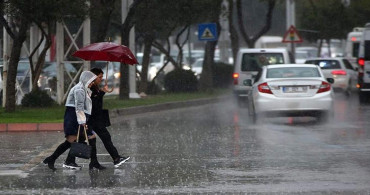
55	114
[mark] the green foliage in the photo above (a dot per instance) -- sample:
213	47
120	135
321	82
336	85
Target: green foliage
330	18
359	12
180	80
47	10
37	98
162	17
222	75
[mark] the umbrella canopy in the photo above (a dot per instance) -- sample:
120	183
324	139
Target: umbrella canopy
106	51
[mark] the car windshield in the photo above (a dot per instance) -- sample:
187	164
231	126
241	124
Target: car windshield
292	72
198	63
254	61
325	64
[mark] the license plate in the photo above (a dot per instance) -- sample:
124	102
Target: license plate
295	89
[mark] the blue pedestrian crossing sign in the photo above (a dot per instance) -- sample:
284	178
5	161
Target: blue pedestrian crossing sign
207	32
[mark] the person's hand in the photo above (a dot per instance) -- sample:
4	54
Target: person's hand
106	89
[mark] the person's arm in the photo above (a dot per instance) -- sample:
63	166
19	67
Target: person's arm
106	89
80	96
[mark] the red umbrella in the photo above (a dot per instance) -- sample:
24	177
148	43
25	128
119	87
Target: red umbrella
106	51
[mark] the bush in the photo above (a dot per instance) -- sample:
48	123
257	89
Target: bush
180	80
37	98
222	75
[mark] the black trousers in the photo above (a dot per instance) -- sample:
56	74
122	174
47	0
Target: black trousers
106	138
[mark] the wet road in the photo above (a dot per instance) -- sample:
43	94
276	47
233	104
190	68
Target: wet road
213	149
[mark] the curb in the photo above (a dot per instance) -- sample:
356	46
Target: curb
114	114
28	127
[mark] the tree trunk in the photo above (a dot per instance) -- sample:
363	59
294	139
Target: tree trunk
40	60
234	37
124	88
250	40
13	66
206	78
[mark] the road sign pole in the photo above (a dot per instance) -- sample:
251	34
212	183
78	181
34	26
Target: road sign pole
290	20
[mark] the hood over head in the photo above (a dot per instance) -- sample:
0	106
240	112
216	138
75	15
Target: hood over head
87	77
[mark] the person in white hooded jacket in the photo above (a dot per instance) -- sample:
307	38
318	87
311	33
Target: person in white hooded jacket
78	109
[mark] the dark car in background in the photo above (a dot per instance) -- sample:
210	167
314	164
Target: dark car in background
48	76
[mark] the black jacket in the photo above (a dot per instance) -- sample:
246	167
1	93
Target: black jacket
96	118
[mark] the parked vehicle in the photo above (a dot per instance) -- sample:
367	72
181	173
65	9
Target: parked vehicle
340	69
48	76
364	64
290	90
197	66
153	67
249	62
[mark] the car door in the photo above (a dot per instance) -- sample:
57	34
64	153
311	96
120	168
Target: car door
351	71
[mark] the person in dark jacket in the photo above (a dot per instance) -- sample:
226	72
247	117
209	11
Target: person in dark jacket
99	120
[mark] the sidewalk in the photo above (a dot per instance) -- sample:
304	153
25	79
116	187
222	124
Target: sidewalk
115	115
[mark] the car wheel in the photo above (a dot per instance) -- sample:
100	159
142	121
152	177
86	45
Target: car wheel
252	113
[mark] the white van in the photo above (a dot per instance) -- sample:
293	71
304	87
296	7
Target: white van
269	42
353	44
250	61
364	64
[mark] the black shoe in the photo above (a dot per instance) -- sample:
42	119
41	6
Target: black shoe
50	163
120	161
71	165
96	165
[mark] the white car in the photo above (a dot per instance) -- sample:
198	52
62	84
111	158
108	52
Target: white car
340	69
197	66
291	90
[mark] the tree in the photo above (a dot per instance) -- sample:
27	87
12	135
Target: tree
359	12
19	36
329	18
172	18
42	13
234	37
250	40
101	15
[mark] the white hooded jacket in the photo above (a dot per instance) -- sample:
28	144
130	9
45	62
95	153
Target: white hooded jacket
79	96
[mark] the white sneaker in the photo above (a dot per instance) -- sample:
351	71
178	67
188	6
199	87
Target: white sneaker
72	166
120	161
